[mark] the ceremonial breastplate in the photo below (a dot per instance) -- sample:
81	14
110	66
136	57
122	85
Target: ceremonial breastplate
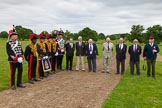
16	47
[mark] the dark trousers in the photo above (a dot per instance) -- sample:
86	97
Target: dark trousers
91	64
40	69
151	64
32	64
53	64
69	60
13	67
137	63
59	61
122	64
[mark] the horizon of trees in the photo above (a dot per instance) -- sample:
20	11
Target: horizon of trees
137	32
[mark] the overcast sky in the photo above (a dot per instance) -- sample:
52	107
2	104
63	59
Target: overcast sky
106	16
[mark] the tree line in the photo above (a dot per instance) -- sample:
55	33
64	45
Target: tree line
137	31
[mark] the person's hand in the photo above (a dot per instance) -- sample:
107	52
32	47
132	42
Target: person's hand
96	56
144	58
154	51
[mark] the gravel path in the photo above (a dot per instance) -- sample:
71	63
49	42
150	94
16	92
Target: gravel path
65	90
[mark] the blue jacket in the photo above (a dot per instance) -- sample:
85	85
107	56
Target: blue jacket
148	51
134	55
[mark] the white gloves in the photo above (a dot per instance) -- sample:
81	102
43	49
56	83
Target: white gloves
56	54
20	59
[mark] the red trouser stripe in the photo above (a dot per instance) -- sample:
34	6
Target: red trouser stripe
39	63
30	67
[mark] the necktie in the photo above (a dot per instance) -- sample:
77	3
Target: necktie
108	47
90	47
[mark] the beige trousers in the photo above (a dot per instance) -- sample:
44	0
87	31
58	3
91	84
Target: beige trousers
80	59
106	63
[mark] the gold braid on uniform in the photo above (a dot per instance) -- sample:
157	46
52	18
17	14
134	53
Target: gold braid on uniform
48	43
33	49
54	46
42	46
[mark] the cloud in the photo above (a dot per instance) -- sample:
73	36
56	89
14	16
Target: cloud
107	16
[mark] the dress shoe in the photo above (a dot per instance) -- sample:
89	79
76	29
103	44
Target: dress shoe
31	82
21	86
83	69
41	78
35	79
13	87
108	72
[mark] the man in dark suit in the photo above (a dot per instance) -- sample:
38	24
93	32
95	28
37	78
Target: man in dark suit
70	47
121	50
150	54
135	52
91	53
80	53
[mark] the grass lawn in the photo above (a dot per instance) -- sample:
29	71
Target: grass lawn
5	72
137	91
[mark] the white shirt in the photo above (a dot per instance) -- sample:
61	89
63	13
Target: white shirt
121	46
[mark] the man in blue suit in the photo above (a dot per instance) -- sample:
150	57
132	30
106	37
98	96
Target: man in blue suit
150	54
91	53
135	52
121	50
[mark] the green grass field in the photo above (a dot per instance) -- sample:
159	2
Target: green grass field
137	91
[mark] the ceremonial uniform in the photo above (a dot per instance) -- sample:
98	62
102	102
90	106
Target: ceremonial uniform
15	58
54	52
61	51
41	50
31	57
48	46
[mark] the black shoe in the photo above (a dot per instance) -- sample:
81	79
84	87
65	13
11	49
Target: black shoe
35	79
41	78
13	87
117	73
108	72
21	86
71	69
31	82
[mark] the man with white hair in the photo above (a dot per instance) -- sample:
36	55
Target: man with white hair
107	53
80	53
121	50
135	52
91	53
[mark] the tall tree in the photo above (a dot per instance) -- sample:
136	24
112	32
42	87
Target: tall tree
101	36
155	31
3	34
87	33
23	32
136	33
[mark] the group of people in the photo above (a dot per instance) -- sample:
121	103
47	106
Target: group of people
48	53
149	54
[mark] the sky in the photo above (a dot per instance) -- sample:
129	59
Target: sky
104	16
